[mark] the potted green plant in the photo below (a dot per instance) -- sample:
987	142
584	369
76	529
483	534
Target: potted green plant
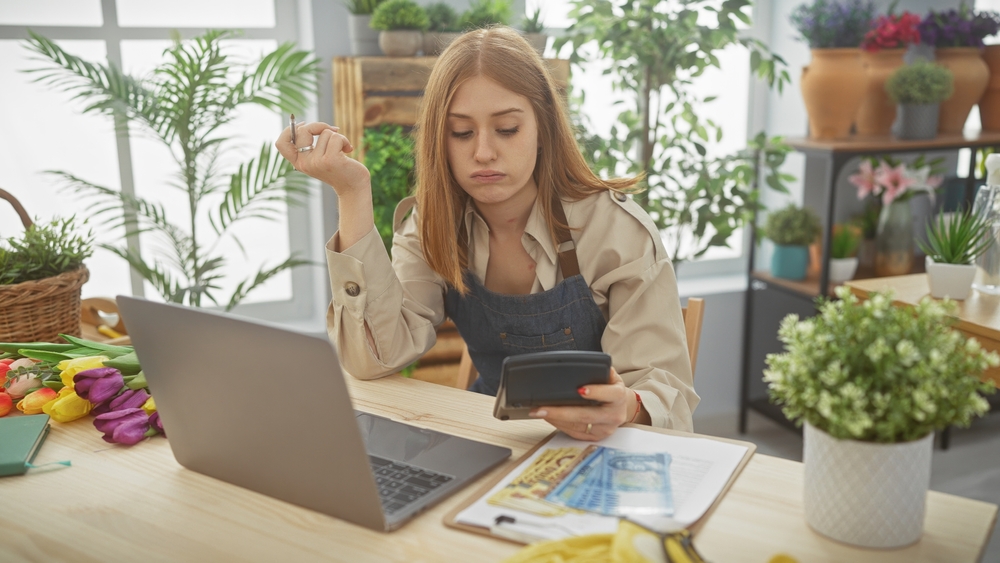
442	28
401	24
533	28
182	104
364	39
485	13
389	158
41	274
834	82
871	381
918	89
792	230
698	196
954	241
843	252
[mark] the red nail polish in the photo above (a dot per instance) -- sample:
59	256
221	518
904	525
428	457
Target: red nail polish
583	391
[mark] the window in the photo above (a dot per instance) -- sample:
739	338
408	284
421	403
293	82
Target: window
732	86
52	133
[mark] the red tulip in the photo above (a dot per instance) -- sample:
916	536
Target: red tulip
6	403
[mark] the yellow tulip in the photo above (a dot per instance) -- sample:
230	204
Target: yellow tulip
72	367
68	406
149	406
33	402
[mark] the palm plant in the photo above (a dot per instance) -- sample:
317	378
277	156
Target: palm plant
183	104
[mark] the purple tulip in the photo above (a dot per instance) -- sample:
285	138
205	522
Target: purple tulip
155	422
126	426
129	399
99	384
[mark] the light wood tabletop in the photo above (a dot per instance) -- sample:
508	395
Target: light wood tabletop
978	315
136	503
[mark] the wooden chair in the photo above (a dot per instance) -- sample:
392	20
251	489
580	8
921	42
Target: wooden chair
693	314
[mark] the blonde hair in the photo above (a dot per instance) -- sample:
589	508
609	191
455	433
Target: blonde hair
502	55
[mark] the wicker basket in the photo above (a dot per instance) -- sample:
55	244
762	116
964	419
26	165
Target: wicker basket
39	310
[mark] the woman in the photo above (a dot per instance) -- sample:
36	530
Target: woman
512	237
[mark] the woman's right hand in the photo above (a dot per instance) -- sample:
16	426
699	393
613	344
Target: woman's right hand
327	161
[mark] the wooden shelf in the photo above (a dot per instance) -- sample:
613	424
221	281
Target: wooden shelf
884	144
370	91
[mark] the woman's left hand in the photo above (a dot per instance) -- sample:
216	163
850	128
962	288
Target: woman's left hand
596	422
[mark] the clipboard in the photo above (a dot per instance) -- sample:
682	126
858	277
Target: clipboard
450	519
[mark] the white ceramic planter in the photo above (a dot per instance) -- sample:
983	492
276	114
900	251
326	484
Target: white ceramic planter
842	269
400	43
866	494
950	280
364	39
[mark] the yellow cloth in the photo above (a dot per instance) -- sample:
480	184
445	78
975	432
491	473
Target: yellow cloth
631	544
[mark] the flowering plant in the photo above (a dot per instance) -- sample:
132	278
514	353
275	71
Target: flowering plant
892	32
827	24
877	372
963	27
69	381
893	181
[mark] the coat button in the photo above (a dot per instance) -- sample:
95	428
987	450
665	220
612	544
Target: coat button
567	330
620	196
352	289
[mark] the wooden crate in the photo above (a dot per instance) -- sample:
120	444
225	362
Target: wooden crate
370	91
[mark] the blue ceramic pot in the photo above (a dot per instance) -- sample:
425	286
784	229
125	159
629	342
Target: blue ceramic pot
789	262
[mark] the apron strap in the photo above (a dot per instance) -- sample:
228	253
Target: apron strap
565	246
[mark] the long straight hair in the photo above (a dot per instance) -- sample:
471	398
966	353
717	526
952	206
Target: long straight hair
502	55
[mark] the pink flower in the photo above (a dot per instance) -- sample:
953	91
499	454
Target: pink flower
865	180
23	384
895	181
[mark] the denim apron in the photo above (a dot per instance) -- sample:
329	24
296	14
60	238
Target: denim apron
496	325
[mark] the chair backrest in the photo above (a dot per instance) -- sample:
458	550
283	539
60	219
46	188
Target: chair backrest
693	314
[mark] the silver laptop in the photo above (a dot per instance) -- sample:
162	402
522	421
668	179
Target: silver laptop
268	409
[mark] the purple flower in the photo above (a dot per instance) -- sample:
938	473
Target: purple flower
99	384
128	400
826	24
126	426
155	422
958	28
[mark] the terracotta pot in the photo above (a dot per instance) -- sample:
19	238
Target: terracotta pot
989	104
971	78
878	111
833	86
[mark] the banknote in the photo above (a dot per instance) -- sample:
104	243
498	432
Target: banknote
618	483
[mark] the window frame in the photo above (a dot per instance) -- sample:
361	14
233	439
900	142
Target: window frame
307	288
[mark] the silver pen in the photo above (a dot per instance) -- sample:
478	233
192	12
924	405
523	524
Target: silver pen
291	121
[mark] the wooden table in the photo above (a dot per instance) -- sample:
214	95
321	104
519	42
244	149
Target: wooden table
978	316
136	503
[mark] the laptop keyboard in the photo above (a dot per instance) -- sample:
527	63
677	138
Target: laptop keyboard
401	484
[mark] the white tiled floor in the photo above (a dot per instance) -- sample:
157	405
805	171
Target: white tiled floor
969	468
